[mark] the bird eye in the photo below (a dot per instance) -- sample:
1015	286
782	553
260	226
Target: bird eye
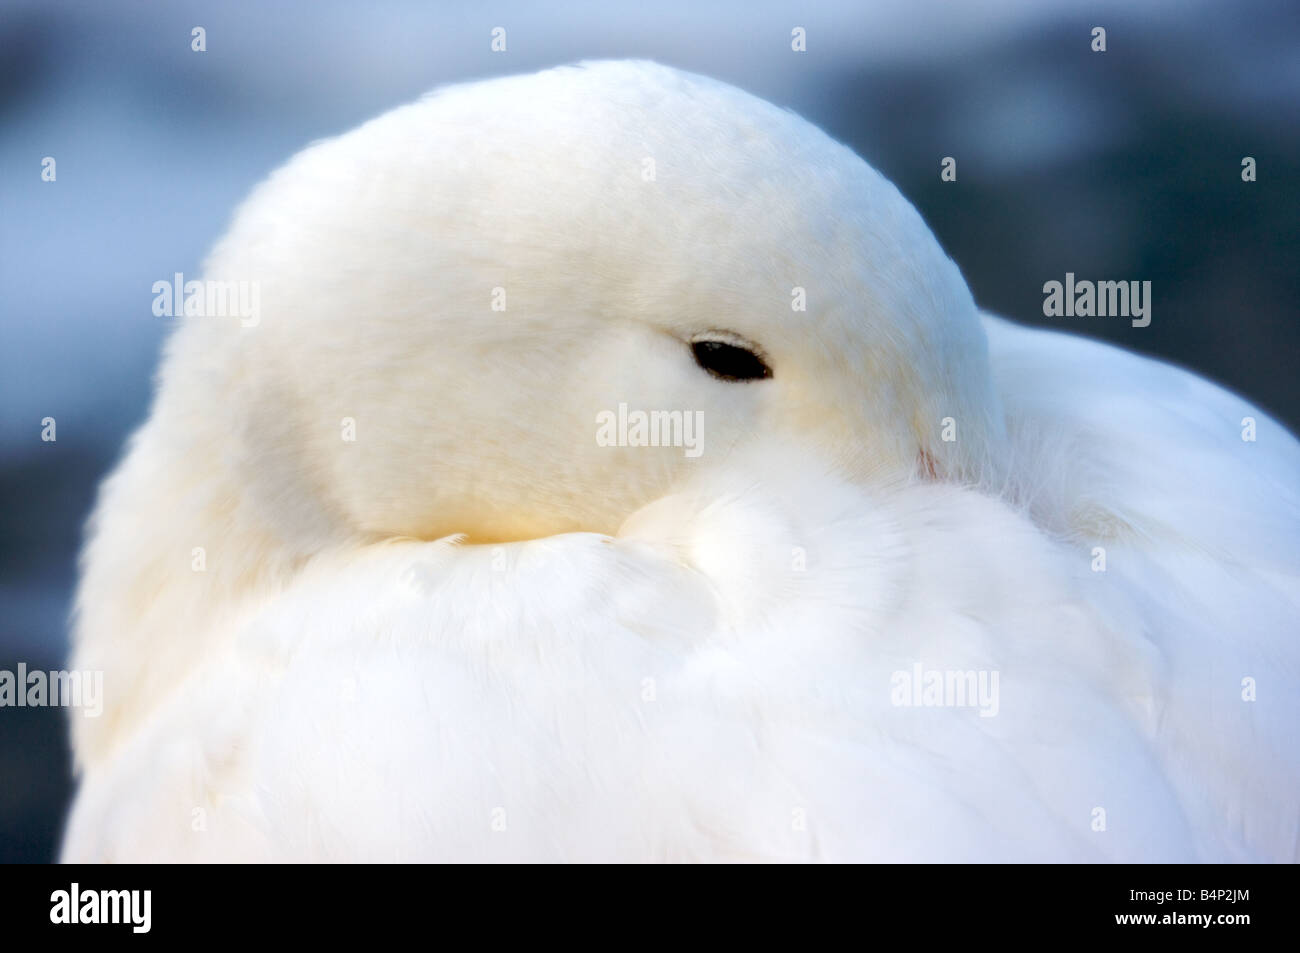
729	360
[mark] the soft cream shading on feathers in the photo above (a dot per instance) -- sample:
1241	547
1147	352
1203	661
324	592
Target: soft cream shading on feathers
474	633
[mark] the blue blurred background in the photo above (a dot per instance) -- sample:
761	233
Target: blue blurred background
1120	165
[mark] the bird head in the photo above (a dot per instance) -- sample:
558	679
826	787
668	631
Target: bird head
533	304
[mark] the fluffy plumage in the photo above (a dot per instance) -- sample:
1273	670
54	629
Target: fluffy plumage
475	633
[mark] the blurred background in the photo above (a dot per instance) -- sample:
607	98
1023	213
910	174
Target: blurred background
1117	165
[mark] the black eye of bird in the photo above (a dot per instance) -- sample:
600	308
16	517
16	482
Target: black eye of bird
729	362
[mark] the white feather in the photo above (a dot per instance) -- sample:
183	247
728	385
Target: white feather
622	654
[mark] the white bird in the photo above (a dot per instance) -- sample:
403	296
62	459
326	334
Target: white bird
369	585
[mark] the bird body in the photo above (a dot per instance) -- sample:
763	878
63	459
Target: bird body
475	631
